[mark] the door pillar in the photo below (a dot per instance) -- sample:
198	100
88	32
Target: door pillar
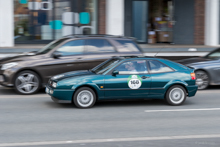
6	23
212	22
115	17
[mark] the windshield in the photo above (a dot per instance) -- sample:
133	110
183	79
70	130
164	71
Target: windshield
214	55
103	67
50	46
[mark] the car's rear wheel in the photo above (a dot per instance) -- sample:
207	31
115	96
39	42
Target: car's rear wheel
176	95
27	82
202	79
84	97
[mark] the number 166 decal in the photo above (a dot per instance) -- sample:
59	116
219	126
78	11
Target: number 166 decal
134	81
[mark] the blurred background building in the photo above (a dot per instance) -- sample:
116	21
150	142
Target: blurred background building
188	22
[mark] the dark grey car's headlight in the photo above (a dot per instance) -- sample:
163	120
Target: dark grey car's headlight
8	65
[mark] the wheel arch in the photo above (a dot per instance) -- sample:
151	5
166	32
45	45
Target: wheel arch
180	84
27	69
89	86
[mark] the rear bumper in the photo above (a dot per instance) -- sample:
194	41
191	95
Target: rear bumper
60	95
192	90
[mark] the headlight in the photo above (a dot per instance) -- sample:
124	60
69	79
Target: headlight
54	84
8	65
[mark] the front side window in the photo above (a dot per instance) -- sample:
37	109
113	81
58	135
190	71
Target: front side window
127	46
75	47
133	67
157	67
98	46
51	46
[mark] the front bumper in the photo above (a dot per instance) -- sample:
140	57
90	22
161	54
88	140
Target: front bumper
192	90
60	95
6	77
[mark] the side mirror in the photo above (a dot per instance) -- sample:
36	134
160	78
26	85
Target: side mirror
115	72
56	55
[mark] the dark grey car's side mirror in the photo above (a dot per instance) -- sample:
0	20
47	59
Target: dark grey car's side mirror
115	72
56	55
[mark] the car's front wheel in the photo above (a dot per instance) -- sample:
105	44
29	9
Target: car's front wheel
27	82
176	95
84	97
202	79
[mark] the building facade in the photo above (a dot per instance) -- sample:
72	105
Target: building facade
191	22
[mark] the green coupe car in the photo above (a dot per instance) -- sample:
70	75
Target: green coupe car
125	78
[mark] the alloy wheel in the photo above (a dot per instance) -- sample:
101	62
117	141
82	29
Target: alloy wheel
176	95
202	80
27	83
85	98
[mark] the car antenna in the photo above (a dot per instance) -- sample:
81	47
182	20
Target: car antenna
158	52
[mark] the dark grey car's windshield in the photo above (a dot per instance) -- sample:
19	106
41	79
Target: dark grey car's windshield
103	67
214	55
50	46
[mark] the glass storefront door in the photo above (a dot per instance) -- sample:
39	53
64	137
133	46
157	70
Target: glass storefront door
140	18
41	21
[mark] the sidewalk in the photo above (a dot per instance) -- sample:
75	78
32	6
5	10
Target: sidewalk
149	50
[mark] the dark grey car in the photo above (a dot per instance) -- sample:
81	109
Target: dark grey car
29	72
207	69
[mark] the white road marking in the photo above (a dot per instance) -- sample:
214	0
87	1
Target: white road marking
181	110
109	140
24	96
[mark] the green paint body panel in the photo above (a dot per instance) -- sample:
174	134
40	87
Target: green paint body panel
117	87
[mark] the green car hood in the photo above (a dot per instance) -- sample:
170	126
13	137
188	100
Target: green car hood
71	74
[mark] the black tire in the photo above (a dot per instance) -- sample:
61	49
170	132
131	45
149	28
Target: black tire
89	98
30	80
202	79
176	95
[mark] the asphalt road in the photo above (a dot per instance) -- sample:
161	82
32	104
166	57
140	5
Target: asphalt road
37	121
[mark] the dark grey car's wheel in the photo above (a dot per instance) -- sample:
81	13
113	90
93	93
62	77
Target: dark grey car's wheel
84	98
27	82
176	95
202	79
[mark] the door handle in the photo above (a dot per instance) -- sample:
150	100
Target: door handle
80	58
144	77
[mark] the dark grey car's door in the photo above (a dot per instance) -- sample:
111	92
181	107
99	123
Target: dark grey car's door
71	59
214	70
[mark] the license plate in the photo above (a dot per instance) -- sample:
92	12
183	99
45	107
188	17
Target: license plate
1	78
47	90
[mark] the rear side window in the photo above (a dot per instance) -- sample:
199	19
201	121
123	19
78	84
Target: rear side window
127	46
157	67
75	47
98	46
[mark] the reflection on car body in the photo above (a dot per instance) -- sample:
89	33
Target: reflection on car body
125	78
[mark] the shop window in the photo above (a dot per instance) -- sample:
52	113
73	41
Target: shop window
53	19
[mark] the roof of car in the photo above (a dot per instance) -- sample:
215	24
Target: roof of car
97	36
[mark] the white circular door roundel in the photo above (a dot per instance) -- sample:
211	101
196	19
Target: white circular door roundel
134	81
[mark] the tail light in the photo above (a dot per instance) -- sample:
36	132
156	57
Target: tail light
193	76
